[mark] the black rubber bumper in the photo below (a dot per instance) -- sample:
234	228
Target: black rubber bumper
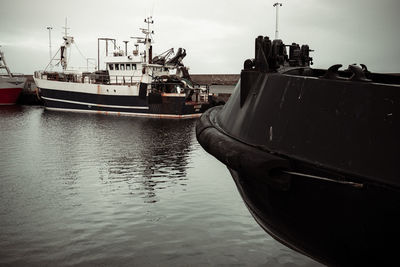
243	158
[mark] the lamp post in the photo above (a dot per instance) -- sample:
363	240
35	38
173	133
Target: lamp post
277	5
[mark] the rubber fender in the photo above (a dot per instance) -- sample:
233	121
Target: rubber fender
245	159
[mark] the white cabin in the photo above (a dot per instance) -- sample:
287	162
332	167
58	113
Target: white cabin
123	68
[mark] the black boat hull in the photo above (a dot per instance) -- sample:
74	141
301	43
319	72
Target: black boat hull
334	224
354	224
173	106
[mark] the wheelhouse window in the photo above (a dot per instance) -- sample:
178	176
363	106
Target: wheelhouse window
128	66
111	66
134	67
122	66
116	66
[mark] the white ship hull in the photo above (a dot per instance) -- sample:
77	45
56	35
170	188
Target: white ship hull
127	100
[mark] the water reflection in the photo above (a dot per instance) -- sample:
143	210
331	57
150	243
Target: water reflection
145	155
6	110
158	159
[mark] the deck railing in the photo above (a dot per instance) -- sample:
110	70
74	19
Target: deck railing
92	78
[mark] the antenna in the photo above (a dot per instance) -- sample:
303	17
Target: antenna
126	47
51	57
277	5
149	20
66	28
147	41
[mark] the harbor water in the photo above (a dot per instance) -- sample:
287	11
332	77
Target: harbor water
95	190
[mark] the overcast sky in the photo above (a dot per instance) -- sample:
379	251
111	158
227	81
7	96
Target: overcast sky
217	34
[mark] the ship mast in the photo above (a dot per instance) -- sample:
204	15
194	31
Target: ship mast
277	5
147	41
68	40
50	54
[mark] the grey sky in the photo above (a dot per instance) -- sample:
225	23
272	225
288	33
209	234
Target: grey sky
218	35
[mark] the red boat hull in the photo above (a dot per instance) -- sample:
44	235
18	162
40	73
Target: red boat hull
9	96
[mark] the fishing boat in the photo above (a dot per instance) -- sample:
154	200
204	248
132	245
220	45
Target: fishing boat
11	84
314	153
134	84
